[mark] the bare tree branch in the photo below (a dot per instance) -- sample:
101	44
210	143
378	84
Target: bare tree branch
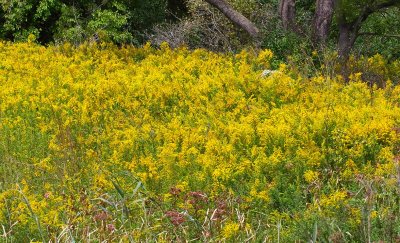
236	17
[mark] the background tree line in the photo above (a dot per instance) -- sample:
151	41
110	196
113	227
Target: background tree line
288	27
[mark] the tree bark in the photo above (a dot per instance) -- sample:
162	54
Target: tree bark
322	20
347	37
236	17
287	12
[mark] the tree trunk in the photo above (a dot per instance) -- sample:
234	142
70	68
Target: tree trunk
347	37
322	20
287	12
348	33
236	17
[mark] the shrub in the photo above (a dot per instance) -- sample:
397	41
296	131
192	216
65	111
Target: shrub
105	143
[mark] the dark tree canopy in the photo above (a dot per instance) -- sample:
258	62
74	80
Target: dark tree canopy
122	21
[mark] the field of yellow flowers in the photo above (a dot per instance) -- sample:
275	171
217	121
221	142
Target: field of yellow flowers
122	144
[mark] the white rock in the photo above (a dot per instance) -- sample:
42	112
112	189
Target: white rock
267	72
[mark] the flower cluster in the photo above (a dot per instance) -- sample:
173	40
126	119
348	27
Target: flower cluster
113	138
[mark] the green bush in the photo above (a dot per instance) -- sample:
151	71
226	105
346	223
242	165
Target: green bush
120	21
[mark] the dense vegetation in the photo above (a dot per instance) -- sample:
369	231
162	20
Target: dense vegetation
99	142
204	120
287	27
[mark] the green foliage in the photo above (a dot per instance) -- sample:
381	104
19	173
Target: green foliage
146	13
110	24
351	9
21	18
381	34
120	21
283	43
